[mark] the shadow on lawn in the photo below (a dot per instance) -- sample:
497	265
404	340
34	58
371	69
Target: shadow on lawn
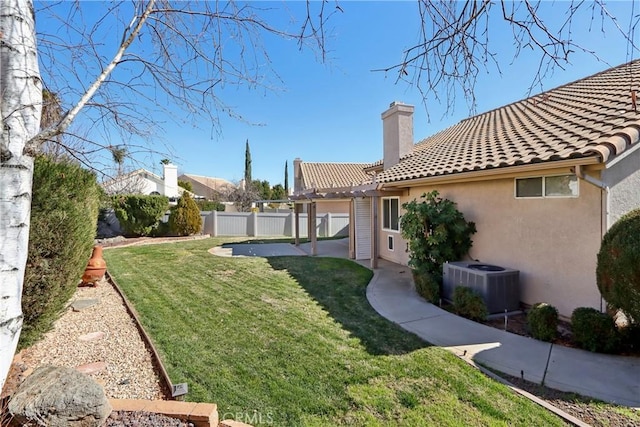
339	286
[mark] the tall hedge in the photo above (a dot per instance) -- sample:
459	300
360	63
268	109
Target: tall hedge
618	270
64	212
139	215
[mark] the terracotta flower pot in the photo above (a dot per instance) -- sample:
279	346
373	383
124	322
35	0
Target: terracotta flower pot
96	267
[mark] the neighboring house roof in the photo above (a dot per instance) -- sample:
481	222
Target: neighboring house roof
594	116
332	175
211	183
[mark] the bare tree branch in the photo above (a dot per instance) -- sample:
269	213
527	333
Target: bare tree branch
456	42
170	55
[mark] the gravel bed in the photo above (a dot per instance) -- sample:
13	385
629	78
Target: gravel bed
143	419
129	371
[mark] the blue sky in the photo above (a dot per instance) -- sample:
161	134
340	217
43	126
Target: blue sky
330	112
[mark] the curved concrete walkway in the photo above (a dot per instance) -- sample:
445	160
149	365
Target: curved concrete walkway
391	293
614	379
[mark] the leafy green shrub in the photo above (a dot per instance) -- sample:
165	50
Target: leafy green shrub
437	233
184	219
469	304
139	215
64	212
210	205
543	321
162	230
594	331
618	271
427	286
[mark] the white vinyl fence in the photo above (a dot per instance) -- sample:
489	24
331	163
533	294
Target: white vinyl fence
272	224
260	224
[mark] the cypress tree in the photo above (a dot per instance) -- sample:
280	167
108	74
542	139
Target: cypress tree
247	166
286	177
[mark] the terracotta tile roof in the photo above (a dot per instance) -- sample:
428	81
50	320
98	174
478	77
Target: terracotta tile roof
594	116
332	175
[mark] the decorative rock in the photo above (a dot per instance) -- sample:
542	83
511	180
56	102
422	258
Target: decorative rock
81	304
59	396
91	368
92	336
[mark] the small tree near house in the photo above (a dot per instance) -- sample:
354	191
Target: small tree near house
437	233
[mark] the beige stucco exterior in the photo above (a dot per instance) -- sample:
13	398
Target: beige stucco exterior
552	241
331	206
622	176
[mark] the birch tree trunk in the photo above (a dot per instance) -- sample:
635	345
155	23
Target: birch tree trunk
20	108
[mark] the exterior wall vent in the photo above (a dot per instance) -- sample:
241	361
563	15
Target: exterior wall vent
498	286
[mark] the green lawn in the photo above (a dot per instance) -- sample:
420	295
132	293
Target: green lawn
293	341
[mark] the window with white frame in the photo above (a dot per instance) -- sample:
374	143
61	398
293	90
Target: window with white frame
390	213
547	186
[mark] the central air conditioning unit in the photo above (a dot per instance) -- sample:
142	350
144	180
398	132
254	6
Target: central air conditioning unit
498	286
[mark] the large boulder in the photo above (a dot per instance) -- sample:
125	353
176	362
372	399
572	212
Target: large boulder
59	396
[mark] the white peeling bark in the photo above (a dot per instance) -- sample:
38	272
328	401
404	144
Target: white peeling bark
20	108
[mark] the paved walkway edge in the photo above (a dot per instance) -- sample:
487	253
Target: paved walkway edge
371	293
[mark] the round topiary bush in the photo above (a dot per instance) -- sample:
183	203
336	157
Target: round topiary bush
593	330
618	271
184	219
427	286
469	304
542	320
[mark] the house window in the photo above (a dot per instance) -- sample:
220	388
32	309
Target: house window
547	186
390	214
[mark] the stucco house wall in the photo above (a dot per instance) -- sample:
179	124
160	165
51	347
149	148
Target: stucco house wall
338	206
623	179
151	185
552	241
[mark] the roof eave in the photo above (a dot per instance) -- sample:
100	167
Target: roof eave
486	174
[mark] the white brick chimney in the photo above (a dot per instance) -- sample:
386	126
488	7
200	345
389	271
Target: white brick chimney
397	132
170	179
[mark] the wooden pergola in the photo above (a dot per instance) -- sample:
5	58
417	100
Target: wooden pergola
313	196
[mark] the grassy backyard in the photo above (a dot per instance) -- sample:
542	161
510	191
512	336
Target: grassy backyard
293	341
